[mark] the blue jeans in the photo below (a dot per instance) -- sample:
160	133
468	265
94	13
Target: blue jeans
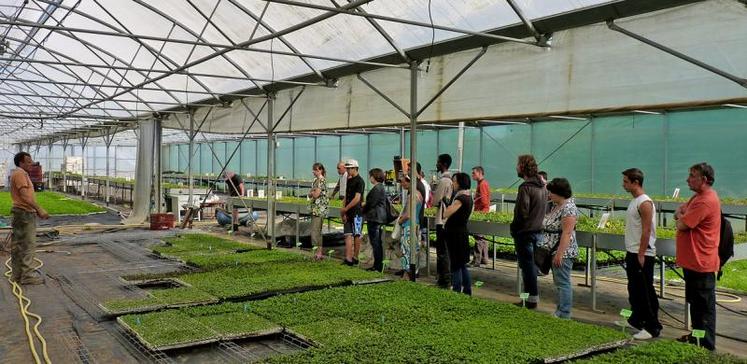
561	276
460	280
374	236
524	245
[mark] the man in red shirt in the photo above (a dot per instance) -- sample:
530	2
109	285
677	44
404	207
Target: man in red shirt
482	204
698	233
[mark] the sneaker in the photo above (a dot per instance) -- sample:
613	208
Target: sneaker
32	281
643	335
526	304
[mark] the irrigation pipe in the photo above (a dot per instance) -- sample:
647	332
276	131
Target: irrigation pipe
24	303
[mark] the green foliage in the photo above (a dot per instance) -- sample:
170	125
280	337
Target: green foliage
236	282
54	203
414	323
195	324
197	244
216	261
160	298
661	352
735	275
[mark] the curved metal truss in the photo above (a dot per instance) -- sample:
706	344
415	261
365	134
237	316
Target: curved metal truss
72	68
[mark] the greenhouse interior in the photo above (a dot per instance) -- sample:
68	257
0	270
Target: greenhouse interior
230	181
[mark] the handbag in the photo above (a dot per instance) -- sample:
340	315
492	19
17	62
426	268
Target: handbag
397	232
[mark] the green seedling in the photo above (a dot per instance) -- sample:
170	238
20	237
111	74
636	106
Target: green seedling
625	313
698	334
385	264
524	296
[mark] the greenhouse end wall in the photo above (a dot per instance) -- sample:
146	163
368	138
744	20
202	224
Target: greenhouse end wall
590	153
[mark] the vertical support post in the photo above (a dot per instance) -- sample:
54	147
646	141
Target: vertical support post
158	175
270	172
83	142
662	278
49	165
64	165
460	147
591	155
414	229
190	155
594	272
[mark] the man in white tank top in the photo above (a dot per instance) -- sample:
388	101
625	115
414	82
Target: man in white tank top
640	243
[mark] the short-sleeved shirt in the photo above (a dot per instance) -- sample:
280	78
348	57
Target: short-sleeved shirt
697	248
553	227
354	185
234	185
482	196
21	190
319	206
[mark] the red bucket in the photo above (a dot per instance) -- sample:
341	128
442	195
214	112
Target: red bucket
161	221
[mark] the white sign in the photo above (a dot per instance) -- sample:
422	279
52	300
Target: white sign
603	220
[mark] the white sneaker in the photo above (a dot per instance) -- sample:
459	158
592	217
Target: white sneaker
624	324
643	335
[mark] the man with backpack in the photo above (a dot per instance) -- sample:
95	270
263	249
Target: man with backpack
698	236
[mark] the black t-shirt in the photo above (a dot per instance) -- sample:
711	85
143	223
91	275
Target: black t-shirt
458	220
355	185
234	185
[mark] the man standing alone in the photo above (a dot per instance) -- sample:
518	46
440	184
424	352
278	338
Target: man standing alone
482	204
24	212
640	240
698	234
526	228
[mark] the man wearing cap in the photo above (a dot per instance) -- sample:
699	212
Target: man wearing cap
351	213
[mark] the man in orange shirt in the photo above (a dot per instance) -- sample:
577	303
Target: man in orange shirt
482	204
698	234
23	214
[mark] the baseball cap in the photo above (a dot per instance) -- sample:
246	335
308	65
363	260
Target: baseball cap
351	163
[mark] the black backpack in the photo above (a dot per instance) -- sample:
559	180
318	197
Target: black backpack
725	244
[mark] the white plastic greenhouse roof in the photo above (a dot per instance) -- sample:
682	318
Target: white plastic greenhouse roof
69	64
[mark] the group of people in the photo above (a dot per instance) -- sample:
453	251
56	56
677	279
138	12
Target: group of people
545	216
539	225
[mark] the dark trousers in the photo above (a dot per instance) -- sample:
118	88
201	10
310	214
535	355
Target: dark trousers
525	245
700	293
442	258
642	295
460	280
374	236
